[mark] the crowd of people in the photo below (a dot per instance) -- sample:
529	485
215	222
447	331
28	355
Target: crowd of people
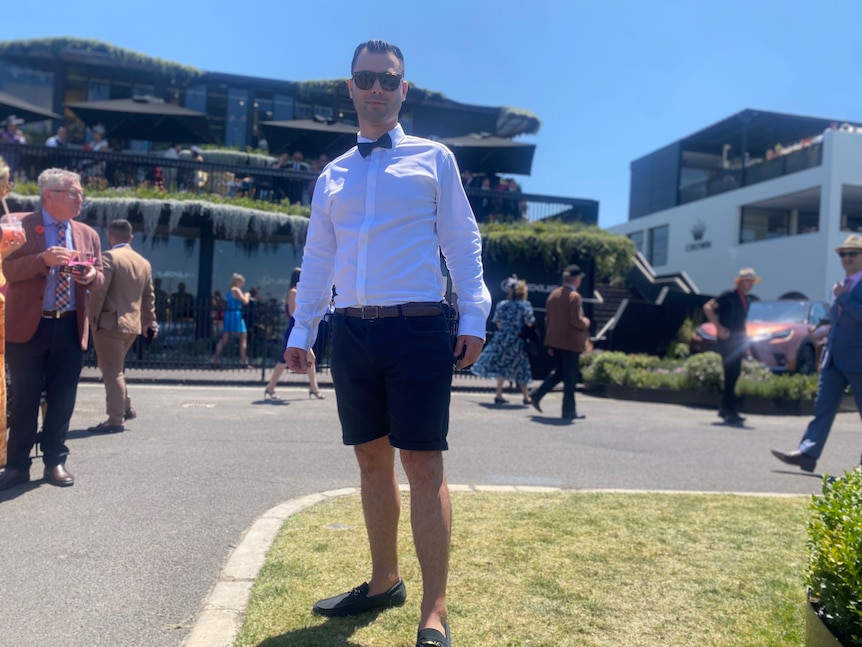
489	200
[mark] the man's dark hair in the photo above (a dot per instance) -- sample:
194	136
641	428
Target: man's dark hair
377	47
121	230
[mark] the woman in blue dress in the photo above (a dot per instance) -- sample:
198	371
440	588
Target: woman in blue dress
234	324
505	357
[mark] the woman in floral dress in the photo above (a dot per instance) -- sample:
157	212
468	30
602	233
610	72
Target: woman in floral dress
505	357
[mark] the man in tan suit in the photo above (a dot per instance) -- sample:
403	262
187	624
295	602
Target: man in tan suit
566	333
46	324
120	310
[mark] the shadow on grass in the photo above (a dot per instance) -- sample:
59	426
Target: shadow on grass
335	632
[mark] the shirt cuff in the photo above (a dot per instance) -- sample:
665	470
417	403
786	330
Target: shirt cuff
300	338
471	325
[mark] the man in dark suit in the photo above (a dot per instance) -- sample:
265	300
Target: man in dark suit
566	333
120	310
841	363
46	324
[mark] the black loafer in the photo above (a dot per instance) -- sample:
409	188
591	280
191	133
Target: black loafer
358	601
803	461
11	477
535	401
433	638
130	414
105	428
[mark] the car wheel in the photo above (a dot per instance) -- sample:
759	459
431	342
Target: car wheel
805	361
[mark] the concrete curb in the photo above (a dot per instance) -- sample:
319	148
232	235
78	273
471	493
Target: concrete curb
223	611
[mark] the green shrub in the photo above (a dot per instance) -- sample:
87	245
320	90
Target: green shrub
704	371
641	378
678	350
780	387
609	368
642	360
834	550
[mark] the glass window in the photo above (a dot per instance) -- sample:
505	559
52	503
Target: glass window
236	130
196	98
851	208
303	111
808	222
262	110
763	224
283	110
98	90
143	90
638	238
658	242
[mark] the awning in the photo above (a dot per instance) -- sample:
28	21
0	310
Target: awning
481	153
12	105
145	118
309	136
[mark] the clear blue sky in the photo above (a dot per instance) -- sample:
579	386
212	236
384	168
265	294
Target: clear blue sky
611	80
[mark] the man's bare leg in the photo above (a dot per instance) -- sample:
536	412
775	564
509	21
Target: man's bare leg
381	505
431	520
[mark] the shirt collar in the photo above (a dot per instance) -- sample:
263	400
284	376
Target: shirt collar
397	134
48	220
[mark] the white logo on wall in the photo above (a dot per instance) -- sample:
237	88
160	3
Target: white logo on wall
697	232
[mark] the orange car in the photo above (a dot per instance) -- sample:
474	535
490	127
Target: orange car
786	335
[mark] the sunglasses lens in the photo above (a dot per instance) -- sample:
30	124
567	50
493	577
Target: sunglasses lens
390	82
365	80
850	254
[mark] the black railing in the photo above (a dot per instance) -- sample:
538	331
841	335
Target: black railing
730	179
252	176
190	328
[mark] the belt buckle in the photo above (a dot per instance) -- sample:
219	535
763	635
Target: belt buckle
374	309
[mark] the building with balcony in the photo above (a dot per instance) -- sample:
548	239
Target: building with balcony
767	190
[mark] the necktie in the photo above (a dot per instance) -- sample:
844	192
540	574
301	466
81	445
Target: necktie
63	297
365	148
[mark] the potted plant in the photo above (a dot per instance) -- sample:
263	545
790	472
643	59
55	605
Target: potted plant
835	564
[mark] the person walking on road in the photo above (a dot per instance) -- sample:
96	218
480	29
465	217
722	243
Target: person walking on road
567	331
727	312
381	215
123	308
841	363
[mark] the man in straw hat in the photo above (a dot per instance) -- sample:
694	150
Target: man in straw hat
728	312
841	363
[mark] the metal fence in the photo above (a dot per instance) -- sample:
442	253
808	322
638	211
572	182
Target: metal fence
234	174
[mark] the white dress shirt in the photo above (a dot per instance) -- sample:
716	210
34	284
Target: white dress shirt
377	228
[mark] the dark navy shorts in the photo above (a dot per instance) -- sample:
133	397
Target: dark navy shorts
393	377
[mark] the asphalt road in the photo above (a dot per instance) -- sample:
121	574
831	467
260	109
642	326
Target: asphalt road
127	556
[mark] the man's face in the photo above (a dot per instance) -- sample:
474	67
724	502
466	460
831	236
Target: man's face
851	260
377	106
64	202
746	285
61	132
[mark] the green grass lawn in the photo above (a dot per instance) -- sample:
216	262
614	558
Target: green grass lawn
559	569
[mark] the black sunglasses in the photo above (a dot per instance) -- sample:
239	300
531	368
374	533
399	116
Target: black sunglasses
388	81
850	254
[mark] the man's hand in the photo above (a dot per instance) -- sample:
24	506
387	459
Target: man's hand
57	256
721	332
87	277
298	360
467	350
840	288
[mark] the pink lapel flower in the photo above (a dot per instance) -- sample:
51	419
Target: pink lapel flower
40	229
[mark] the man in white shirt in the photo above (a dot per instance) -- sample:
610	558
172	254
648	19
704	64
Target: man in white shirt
58	140
381	215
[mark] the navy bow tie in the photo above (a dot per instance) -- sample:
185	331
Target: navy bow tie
365	148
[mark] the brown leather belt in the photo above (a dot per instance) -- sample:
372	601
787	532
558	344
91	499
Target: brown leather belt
58	314
383	312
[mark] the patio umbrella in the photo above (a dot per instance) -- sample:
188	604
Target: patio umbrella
12	105
145	118
487	154
310	136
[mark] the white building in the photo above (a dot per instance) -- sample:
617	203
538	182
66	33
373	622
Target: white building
765	190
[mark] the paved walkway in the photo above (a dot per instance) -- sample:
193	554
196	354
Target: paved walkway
160	538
